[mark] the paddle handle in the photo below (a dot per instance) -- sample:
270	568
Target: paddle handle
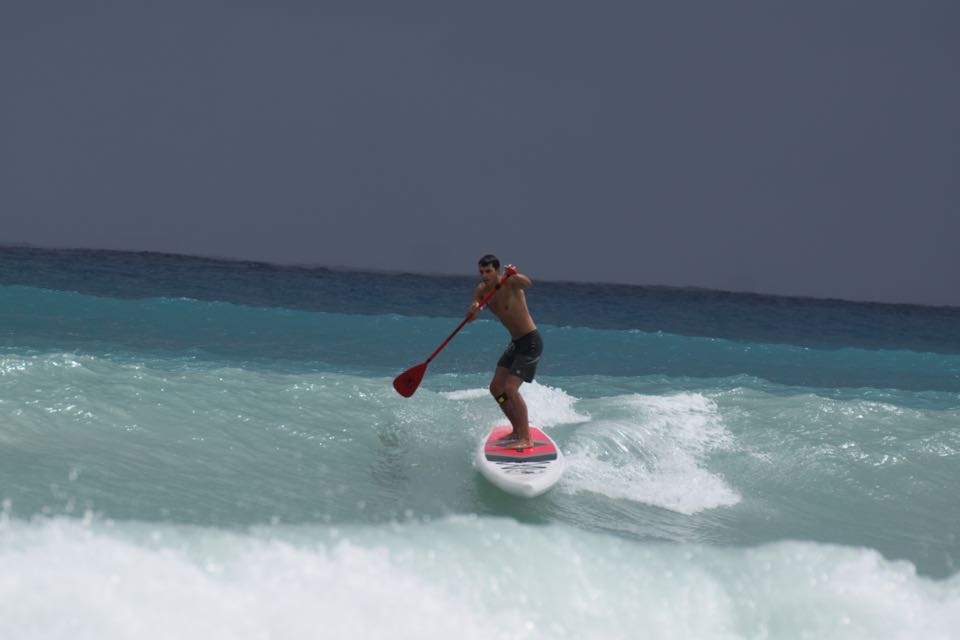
483	303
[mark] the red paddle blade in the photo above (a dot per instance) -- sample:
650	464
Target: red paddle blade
407	382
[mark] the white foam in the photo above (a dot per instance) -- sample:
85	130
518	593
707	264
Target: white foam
72	582
546	406
650	449
64	579
465	394
551	406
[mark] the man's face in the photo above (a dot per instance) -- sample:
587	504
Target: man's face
488	274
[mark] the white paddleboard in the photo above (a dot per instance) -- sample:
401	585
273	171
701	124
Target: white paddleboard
526	473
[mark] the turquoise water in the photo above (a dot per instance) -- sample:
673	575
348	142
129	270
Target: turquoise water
198	448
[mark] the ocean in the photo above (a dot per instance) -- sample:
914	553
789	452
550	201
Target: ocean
200	448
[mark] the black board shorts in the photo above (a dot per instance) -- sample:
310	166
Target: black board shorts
522	356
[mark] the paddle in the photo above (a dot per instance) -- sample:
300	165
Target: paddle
407	382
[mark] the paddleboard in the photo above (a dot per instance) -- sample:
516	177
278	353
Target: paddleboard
526	473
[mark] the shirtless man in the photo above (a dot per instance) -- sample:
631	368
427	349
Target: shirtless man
518	364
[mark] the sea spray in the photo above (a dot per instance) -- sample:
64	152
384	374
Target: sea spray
651	449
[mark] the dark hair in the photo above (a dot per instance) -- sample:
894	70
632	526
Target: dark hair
490	259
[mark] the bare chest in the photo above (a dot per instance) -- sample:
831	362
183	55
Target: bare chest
507	305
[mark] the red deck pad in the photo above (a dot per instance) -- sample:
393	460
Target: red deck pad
497	449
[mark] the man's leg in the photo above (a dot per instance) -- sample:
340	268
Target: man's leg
505	387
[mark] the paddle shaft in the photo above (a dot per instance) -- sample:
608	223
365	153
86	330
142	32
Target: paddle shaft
483	303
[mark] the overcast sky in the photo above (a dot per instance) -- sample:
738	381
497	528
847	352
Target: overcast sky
803	148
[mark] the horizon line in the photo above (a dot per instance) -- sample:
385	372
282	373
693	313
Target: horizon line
403	272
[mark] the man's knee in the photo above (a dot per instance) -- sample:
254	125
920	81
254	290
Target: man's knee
504	390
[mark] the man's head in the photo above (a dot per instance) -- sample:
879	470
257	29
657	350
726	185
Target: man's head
489	268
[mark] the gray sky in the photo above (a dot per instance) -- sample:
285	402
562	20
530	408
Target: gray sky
803	148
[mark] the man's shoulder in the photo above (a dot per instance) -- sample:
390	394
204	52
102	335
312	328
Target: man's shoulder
515	285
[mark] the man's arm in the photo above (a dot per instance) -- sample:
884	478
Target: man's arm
516	280
475	308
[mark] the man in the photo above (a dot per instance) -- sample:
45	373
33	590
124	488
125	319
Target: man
518	364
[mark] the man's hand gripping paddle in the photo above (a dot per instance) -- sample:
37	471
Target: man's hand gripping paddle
407	382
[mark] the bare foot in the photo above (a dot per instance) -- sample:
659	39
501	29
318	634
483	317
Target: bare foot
520	444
